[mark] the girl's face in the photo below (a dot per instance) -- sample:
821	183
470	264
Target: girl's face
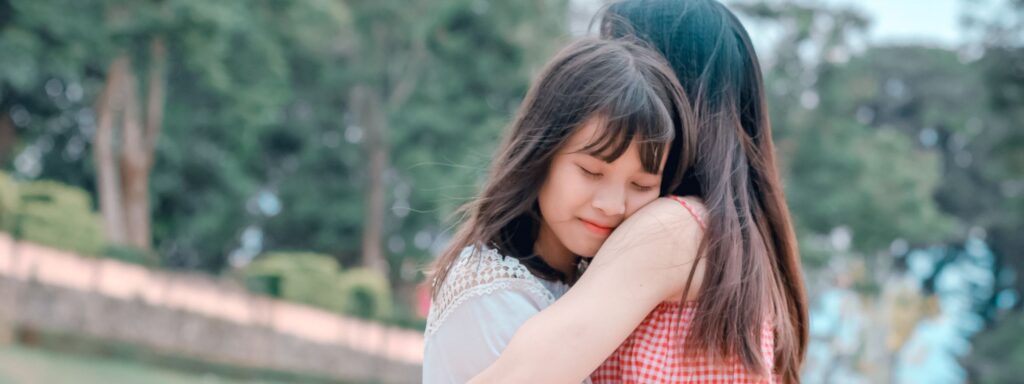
584	198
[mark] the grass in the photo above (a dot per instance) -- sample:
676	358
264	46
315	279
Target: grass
60	358
26	365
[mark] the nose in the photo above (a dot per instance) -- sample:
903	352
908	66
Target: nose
610	200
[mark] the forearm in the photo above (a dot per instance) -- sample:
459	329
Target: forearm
539	353
567	341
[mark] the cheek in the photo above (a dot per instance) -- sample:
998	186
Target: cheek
558	195
568	186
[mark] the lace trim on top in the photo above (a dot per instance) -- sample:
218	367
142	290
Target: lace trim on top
480	273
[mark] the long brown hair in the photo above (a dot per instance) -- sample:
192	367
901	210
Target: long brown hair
752	266
637	97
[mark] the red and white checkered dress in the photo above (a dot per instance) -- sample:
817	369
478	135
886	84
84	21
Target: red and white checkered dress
651	353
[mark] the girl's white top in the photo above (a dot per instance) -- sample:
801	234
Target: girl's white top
483	301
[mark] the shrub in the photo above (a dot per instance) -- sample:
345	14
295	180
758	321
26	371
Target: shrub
367	294
58	215
9	200
302	277
132	255
317	280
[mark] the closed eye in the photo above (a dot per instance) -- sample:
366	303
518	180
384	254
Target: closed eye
643	188
589	174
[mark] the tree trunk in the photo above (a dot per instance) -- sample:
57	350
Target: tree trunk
156	98
368	107
108	183
123	170
134	170
139	147
7	135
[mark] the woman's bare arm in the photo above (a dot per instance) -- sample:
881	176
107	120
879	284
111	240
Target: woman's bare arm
644	262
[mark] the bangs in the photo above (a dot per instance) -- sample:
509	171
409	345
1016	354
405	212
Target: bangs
637	115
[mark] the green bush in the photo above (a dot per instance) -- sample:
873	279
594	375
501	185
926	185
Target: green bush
268	284
132	255
367	294
302	277
60	216
9	199
317	280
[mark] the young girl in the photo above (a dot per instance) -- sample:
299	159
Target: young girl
588	148
633	317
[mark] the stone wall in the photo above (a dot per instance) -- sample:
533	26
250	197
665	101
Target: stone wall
194	315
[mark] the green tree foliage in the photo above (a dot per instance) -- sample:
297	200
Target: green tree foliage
474	66
259	132
258	106
884	149
997	355
849	166
997	182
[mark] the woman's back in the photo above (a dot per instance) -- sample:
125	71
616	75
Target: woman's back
653	354
655	351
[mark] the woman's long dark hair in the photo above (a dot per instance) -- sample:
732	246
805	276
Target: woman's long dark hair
636	96
752	266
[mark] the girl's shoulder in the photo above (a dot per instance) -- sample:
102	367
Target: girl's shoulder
665	218
480	271
657	247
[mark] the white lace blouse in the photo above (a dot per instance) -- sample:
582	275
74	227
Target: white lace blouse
480	305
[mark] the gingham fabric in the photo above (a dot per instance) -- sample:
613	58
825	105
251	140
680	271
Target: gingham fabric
652	354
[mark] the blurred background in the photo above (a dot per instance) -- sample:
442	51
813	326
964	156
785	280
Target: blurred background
249	190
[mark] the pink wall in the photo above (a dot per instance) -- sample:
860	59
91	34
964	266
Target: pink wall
204	295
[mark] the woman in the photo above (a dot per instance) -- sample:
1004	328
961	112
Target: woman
588	148
633	317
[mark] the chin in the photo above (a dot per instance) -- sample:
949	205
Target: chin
585	251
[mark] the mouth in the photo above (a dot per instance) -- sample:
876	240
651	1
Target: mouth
597	228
